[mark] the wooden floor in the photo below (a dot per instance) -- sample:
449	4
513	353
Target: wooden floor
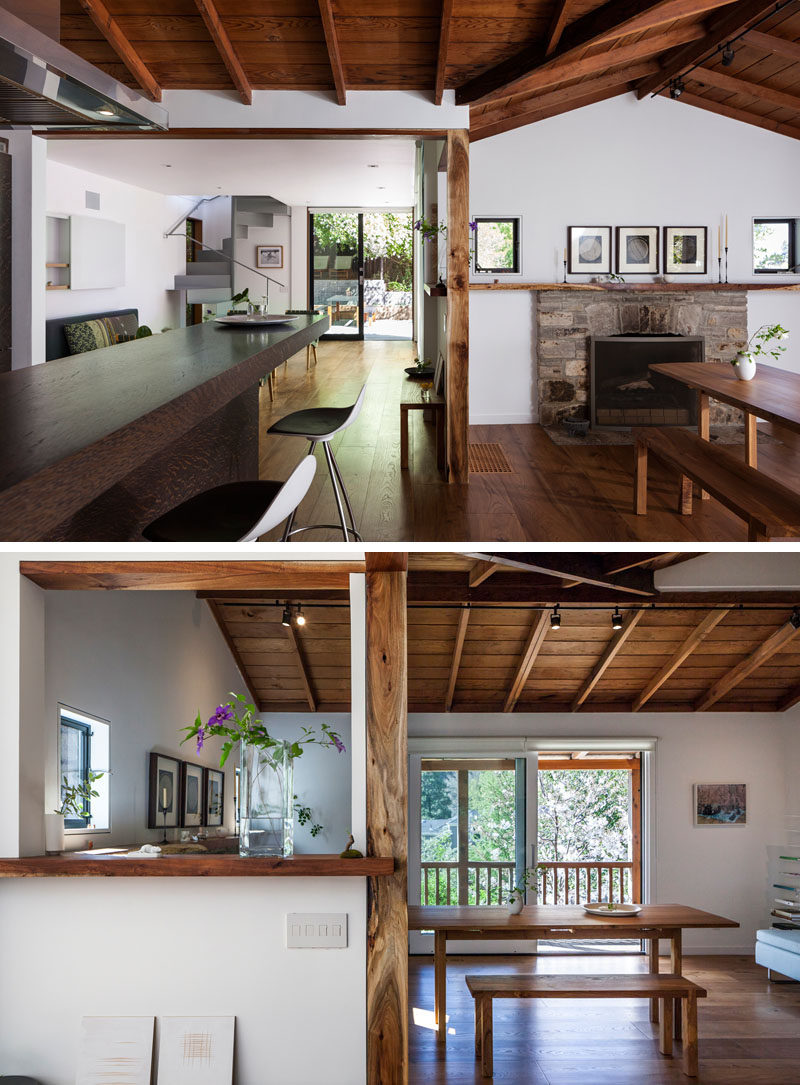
555	494
749	1029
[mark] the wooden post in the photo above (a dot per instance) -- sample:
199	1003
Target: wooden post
387	820
457	376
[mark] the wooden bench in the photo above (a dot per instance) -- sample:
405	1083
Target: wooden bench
412	401
770	509
640	985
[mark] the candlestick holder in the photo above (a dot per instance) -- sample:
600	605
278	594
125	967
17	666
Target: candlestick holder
726	263
565	271
719	270
164	812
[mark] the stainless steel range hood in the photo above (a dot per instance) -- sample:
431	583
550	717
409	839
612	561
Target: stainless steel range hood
46	87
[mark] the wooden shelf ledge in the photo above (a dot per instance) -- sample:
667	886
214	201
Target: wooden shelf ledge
126	865
638	288
435	291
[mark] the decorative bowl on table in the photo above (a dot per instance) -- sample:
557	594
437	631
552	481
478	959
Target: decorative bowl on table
250	319
417	374
603	908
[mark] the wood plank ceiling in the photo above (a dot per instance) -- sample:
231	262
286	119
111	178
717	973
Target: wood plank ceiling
480	640
515	62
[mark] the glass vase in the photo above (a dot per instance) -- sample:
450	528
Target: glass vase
266	825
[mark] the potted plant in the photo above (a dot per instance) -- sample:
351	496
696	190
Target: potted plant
762	343
75	802
267	803
516	898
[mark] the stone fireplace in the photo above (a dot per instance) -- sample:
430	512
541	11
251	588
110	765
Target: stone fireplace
567	319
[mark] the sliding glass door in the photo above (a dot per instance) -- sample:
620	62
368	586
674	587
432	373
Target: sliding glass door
336	269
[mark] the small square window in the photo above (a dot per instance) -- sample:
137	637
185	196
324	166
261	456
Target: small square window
774	245
496	245
84	748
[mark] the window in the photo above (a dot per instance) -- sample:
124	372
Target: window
84	748
774	245
497	249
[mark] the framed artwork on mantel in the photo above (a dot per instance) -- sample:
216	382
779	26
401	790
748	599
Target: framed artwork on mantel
192	798
637	250
215	797
164	807
685	250
589	249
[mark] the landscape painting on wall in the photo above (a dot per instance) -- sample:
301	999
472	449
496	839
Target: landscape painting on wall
720	804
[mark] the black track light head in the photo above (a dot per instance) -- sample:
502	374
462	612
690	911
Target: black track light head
617	621
287	616
728	55
555	618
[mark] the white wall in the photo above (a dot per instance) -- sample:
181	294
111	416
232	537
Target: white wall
151	260
718	869
617	163
245	252
28	247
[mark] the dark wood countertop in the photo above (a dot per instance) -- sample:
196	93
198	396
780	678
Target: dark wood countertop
124	865
73	427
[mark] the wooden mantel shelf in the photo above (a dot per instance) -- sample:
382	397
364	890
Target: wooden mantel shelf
637	288
126	865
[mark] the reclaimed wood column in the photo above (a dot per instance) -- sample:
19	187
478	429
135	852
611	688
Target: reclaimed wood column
387	820
457	377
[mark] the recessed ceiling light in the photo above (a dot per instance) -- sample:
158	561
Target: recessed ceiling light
372	165
167	165
381	188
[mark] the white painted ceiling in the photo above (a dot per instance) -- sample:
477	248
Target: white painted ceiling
334	172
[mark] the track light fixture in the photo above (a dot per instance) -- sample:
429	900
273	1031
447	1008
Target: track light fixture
728	55
617	620
676	88
555	618
287	616
292	610
300	617
794	621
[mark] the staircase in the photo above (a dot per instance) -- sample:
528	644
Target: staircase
210	277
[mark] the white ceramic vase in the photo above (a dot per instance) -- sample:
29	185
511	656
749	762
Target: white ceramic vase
515	906
53	833
745	367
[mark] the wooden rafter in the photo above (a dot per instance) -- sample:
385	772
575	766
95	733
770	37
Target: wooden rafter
557	25
609	655
237	659
728	24
790	700
610	21
481	571
302	667
218	577
558	71
710	77
530	110
618	563
110	29
334	53
696	637
444	46
771	43
583	568
458	650
230	59
723	110
533	646
773	644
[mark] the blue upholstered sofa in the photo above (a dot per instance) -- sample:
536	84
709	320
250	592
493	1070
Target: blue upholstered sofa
779	951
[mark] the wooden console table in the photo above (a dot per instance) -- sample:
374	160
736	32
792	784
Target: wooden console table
412	401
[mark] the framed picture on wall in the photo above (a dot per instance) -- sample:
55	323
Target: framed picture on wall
720	804
589	249
214	796
637	250
164	804
685	249
193	807
269	256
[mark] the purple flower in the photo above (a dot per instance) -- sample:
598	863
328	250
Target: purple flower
201	734
224	712
338	743
473	224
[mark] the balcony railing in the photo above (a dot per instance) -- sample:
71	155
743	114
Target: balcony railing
558	883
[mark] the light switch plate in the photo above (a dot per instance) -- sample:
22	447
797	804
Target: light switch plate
316	930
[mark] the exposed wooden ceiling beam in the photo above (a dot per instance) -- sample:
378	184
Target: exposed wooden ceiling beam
719	31
584	568
230	59
723	110
386	561
218	577
219	618
609	655
530	110
775	643
533	645
771	43
334	54
557	25
461	633
110	29
481	571
790	700
302	667
697	636
618	563
722	81
444	46
613	20
559	71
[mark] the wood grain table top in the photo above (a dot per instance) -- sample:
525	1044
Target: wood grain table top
550	917
773	394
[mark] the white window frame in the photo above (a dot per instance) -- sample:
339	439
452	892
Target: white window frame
82	716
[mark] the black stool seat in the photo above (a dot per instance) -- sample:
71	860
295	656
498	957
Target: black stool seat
313	423
222	514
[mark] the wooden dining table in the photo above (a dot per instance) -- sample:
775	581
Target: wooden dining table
556	922
773	394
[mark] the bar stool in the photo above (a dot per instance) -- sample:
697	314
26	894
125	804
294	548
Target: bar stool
311	346
235	511
319	425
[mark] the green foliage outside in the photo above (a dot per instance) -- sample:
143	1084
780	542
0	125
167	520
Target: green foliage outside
388	242
770	246
494	245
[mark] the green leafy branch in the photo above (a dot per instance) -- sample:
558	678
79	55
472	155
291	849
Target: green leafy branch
76	799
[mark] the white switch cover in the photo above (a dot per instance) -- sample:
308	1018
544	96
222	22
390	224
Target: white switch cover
316	930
